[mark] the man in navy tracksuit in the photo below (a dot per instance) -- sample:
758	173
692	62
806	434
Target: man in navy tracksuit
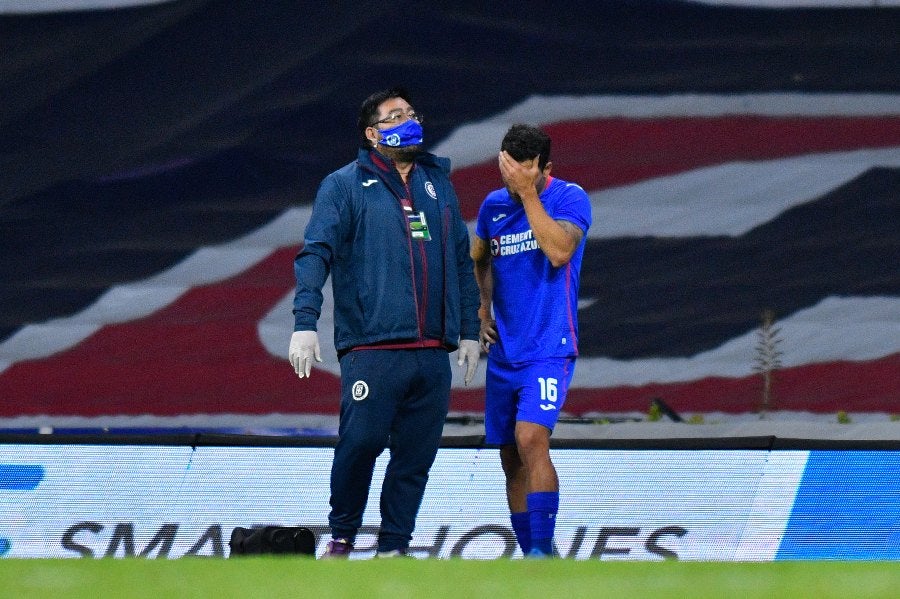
388	229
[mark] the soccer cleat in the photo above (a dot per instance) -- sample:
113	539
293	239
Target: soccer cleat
338	549
538	554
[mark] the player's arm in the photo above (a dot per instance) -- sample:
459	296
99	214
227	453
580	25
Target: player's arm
558	239
481	256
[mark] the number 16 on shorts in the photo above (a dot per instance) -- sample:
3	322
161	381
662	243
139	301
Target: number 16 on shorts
548	393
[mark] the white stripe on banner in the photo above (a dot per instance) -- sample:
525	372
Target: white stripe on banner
45	6
732	198
858	328
123	303
476	142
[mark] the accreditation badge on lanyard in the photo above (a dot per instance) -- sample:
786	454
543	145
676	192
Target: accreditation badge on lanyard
418	226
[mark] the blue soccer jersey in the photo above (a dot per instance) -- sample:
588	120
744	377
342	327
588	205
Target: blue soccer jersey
535	304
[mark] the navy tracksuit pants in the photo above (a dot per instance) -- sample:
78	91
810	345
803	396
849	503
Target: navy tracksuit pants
396	399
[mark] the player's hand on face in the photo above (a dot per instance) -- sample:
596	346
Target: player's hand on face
488	333
519	177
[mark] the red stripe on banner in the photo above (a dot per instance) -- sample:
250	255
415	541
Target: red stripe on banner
200	355
603	153
826	388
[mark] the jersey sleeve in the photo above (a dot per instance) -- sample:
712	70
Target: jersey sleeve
575	207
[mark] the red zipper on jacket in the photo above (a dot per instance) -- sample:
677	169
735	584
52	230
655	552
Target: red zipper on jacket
421	310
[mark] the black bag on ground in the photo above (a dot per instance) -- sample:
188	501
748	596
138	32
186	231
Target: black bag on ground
272	539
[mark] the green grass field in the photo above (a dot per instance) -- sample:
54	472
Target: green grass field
499	579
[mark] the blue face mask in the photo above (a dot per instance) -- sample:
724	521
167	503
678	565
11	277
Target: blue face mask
407	133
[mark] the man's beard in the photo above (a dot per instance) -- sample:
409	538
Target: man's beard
404	154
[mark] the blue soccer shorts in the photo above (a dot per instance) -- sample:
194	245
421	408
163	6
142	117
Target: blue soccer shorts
529	391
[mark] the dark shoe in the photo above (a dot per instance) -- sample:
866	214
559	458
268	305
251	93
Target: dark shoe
338	549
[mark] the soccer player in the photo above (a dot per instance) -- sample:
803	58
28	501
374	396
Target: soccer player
528	246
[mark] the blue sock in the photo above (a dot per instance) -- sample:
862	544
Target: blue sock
542	510
521	524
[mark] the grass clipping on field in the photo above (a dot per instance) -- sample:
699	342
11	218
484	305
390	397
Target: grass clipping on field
494	579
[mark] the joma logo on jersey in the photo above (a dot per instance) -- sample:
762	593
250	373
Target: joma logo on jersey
513	243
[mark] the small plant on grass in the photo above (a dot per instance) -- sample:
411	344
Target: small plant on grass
768	358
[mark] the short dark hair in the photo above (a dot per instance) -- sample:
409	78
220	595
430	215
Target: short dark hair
369	110
524	141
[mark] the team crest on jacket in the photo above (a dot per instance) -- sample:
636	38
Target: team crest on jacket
359	390
429	188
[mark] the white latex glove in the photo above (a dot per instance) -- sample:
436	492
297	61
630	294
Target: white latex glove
469	351
304	347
